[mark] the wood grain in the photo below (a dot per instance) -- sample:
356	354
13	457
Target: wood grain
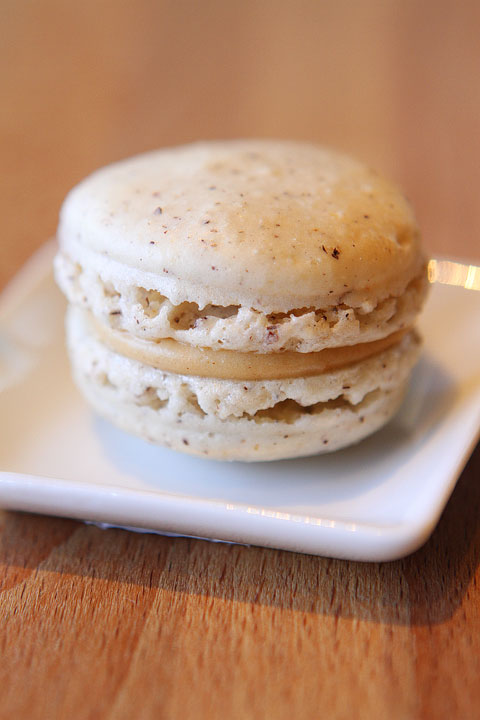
110	624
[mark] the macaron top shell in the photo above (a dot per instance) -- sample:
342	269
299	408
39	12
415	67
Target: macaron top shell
271	225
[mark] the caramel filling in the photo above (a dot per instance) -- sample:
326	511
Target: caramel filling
175	357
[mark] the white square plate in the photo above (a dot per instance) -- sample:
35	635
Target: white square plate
378	500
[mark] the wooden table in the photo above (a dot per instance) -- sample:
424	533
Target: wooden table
110	624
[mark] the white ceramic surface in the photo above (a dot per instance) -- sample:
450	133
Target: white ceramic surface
376	501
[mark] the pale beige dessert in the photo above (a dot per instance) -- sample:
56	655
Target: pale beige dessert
247	300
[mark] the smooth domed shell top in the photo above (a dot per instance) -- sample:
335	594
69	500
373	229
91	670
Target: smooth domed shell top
271	225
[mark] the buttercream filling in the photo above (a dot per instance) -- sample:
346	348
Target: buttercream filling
179	358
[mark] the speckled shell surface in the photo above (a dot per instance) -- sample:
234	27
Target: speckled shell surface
270	225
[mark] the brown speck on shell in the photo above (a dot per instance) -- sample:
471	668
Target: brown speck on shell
336	253
185	441
272	334
158	211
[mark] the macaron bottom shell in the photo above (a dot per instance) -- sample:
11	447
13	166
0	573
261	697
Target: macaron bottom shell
232	420
244	439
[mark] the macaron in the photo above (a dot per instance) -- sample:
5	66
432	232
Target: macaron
242	300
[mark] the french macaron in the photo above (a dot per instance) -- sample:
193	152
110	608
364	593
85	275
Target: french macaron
242	300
